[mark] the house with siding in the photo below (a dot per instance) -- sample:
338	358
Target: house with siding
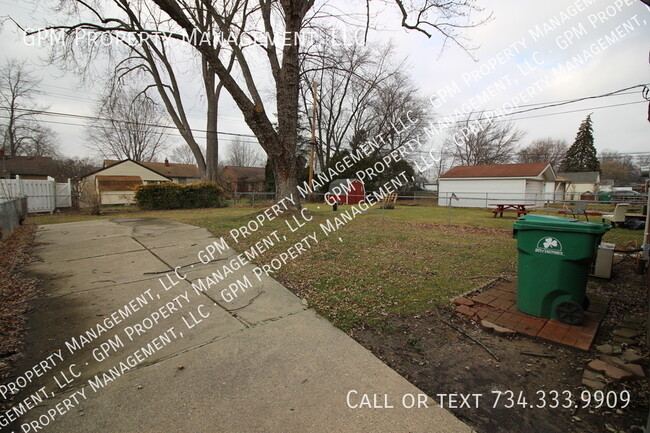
115	182
581	183
484	185
243	179
26	167
178	173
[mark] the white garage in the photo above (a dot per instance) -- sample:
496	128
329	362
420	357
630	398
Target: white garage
485	185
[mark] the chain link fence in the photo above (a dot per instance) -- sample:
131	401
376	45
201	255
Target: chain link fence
498	210
466	209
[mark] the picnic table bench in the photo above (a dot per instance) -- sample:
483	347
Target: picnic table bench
520	209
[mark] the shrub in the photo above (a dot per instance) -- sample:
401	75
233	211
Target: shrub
169	195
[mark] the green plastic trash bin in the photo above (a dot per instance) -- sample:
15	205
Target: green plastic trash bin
604	197
555	255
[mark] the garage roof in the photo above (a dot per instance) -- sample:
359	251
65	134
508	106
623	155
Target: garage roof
166	168
497	170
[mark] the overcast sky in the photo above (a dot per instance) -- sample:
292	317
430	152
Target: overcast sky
528	55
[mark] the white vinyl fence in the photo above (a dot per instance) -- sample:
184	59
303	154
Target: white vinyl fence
42	195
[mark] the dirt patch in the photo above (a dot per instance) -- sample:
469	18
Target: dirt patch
16	292
441	360
464	229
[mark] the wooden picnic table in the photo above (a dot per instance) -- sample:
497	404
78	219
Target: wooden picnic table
509	207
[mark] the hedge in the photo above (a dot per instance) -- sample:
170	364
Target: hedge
169	195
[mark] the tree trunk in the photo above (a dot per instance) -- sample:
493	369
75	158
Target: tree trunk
280	145
212	92
286	176
11	134
284	158
212	139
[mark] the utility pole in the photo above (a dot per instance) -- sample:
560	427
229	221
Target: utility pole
312	141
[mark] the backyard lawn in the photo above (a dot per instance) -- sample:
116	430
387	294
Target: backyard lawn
402	261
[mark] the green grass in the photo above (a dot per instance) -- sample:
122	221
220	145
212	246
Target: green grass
403	261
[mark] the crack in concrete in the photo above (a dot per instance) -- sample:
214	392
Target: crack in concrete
195	347
190	281
91	257
246	324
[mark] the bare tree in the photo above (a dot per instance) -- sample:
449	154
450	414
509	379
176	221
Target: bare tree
43	141
234	21
362	90
71	168
22	134
129	125
550	150
144	46
643	161
182	154
348	79
479	140
618	166
243	154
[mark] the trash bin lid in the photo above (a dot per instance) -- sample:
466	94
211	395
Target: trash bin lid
547	222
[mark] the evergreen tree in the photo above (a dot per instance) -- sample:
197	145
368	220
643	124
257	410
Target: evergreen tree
581	156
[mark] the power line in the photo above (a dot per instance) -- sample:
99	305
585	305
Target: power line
168	134
126	122
547	105
572	101
171	127
222	118
529	107
580	110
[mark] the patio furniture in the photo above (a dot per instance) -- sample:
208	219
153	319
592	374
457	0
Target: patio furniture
389	201
580	208
619	214
520	209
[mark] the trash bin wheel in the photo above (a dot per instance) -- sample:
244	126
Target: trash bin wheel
585	304
570	312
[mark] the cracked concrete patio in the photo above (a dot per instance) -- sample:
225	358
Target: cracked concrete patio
260	363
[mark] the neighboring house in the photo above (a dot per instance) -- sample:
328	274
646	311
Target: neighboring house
484	185
581	183
243	179
606	185
26	167
115	183
178	173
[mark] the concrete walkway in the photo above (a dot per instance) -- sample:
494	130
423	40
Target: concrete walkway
186	361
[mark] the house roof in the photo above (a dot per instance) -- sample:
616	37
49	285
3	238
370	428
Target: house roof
582	176
497	170
165	169
28	165
246	174
114	163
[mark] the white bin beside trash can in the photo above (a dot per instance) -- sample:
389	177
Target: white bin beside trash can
603	264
